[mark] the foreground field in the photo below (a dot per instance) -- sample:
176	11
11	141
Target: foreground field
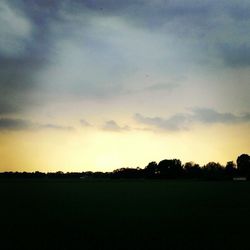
84	214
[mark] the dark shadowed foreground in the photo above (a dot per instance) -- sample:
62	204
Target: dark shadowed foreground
116	214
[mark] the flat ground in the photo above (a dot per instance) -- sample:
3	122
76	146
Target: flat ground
111	214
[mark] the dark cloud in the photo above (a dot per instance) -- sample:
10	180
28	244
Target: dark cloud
31	30
236	55
17	83
6	107
152	13
113	126
16	30
185	120
142	12
17	74
24	51
11	124
15	124
240	12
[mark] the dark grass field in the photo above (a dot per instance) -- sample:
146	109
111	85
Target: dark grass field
111	214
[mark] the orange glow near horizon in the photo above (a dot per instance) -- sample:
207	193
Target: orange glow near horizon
95	87
99	150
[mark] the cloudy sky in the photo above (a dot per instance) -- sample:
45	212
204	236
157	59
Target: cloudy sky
98	85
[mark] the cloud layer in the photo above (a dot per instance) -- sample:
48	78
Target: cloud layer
57	51
10	124
184	121
15	28
111	125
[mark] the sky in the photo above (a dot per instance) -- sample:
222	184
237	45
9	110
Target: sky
100	85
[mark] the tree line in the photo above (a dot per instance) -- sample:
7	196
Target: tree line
165	169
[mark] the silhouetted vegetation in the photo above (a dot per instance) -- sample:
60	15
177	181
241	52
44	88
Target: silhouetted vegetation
243	164
128	208
165	169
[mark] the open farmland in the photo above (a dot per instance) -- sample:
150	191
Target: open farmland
117	214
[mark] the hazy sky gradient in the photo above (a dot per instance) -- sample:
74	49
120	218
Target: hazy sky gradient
98	85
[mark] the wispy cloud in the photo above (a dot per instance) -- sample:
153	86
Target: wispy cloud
54	126
113	126
11	124
162	86
176	122
183	121
85	123
205	115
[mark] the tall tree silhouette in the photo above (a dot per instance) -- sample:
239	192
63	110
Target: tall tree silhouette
213	170
151	169
243	164
192	170
230	169
170	168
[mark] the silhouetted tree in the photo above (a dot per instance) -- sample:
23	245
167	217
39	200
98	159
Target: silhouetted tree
151	170
213	170
230	169
243	164
127	173
192	170
166	169
169	169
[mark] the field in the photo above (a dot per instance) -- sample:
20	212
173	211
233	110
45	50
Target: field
117	214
